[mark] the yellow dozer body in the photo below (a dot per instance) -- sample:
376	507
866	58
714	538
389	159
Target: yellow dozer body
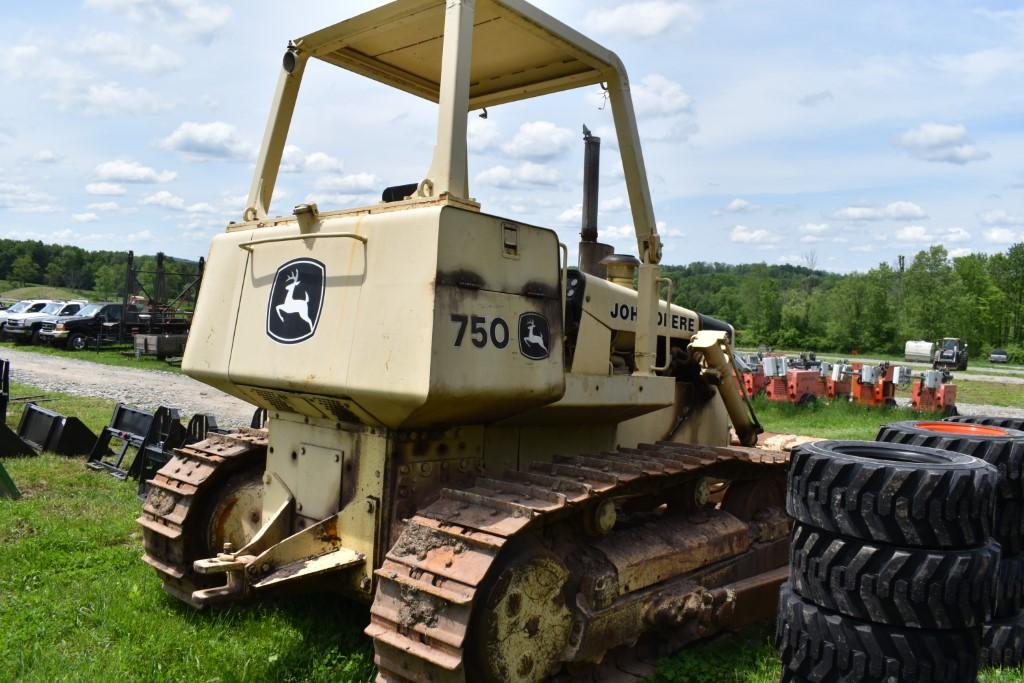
523	466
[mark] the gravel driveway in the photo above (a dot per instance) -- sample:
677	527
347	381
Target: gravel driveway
146	389
151	388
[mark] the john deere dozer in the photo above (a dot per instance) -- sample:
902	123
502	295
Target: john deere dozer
521	465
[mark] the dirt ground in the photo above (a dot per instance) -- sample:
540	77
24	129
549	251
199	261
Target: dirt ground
142	388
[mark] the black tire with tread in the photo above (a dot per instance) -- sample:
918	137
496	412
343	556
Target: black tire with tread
1009	525
907	587
1009	594
890	493
1005	452
822	646
1002	643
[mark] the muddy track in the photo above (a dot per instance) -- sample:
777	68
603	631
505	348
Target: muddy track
142	388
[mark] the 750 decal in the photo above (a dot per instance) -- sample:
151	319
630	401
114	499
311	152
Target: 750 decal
481	331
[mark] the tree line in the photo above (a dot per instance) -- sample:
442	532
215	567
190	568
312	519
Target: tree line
101	273
978	297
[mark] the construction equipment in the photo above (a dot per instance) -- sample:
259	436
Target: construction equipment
934	392
875	385
49	431
521	465
7	487
951	355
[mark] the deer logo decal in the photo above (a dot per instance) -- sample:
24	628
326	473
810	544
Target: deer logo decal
296	300
534	336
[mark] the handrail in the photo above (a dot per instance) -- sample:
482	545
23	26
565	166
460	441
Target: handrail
248	246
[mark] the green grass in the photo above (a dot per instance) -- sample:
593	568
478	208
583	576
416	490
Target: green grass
107	356
842	420
989	393
94	412
11	291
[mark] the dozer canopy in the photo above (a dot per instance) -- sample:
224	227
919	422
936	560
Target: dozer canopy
518	51
464	55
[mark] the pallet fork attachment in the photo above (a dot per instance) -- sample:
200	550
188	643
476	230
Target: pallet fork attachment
130	428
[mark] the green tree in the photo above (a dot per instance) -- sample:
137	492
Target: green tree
25	270
110	280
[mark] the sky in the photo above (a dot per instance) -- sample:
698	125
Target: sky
837	134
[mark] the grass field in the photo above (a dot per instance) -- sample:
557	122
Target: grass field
76	602
15	291
828	420
107	356
989	393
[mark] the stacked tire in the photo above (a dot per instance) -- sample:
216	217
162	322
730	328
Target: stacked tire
892	569
997	442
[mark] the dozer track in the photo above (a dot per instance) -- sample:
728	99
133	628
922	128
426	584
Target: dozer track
175	501
453	552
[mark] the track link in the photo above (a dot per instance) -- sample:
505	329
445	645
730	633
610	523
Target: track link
428	583
175	494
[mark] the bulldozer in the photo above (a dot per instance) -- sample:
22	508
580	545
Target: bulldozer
522	466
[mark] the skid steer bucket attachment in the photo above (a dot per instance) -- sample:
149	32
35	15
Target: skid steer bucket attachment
46	430
7	487
127	430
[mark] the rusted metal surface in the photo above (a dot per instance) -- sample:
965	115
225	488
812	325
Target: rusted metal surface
173	505
689	571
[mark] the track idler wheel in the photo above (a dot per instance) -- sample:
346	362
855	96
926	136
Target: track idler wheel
524	630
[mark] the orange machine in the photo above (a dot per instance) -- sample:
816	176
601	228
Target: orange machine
933	392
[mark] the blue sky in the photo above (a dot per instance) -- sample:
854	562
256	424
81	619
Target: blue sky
842	133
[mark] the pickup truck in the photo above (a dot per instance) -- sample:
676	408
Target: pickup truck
25	326
102	321
23	306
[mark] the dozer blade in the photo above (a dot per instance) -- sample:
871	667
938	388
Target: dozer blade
7	487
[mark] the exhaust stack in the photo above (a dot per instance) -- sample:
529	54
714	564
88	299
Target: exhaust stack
592	252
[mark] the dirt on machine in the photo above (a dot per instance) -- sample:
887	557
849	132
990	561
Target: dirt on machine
521	465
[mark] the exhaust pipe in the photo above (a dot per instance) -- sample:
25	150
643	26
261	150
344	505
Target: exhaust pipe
591	251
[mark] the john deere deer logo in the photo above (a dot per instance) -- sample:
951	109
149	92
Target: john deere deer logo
296	300
534	336
293	304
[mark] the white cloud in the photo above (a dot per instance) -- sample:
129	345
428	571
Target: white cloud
105	99
961	251
131	53
482	135
956	235
88	217
140	236
294	160
941	142
642	19
1001	217
353	183
901	210
104	206
24	199
186	18
525	174
31	62
612	204
739	206
913	233
812	238
981	67
45	156
164	199
656	95
573	215
105	189
204	141
121	171
1002	236
538	140
745	235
